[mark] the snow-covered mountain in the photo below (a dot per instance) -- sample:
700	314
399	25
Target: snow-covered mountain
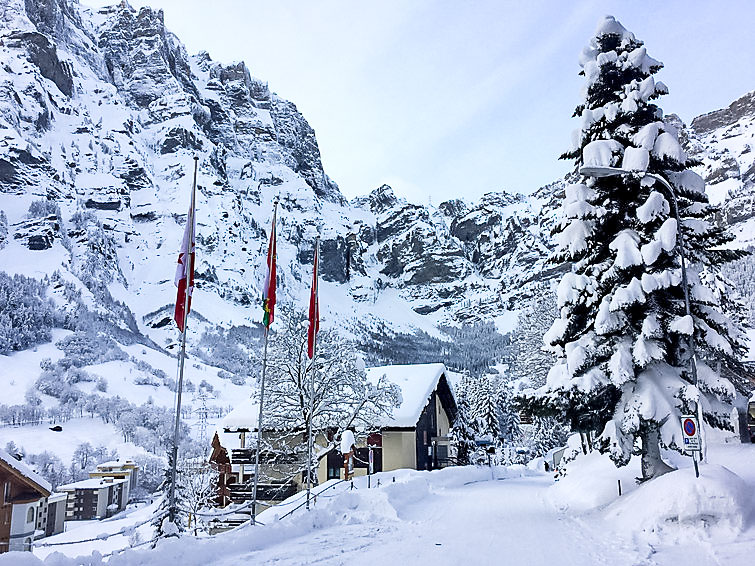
724	141
101	114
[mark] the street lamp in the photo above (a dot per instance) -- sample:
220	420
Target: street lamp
599	171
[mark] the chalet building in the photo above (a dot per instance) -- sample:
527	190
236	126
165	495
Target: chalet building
279	465
22	490
221	463
416	434
95	498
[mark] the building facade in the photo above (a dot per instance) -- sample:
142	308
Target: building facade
119	469
95	498
51	515
22	490
415	435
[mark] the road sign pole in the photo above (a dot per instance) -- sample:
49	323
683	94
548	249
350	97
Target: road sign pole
697	469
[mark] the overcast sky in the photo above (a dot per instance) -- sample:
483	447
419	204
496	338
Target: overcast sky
449	98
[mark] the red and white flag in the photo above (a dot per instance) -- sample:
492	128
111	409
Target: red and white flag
185	268
268	290
314	307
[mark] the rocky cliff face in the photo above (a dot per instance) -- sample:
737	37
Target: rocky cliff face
101	114
724	141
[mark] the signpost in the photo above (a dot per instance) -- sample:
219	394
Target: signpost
691	438
370	469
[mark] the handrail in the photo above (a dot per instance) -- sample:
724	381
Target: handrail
303	503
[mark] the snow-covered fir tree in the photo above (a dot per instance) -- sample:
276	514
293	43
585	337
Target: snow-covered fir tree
462	431
547	434
622	338
169	524
27	314
485	409
508	415
529	361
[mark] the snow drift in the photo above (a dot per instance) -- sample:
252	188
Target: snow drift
680	505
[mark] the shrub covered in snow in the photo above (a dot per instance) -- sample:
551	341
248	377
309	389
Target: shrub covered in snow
43	209
86	348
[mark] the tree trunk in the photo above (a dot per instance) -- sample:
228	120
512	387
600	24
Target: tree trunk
652	463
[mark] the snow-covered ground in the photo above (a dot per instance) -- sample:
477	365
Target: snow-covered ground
509	515
36	439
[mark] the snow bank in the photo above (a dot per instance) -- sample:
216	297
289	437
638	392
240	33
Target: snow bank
591	482
678	503
676	506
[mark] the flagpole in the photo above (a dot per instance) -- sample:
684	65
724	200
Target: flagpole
316	322
262	398
259	432
182	353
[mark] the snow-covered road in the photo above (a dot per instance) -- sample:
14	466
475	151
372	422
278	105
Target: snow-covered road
485	522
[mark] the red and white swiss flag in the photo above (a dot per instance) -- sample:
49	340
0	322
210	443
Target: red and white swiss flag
185	269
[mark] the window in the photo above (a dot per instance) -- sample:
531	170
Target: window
30	515
6	492
334	463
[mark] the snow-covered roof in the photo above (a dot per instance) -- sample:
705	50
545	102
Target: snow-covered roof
25	470
245	415
92	483
116	464
416	381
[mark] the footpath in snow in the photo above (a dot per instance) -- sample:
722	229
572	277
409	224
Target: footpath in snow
510	515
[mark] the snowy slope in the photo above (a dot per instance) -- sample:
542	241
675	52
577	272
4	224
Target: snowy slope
111	142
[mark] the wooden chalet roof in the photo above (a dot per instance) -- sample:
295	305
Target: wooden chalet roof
25	475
